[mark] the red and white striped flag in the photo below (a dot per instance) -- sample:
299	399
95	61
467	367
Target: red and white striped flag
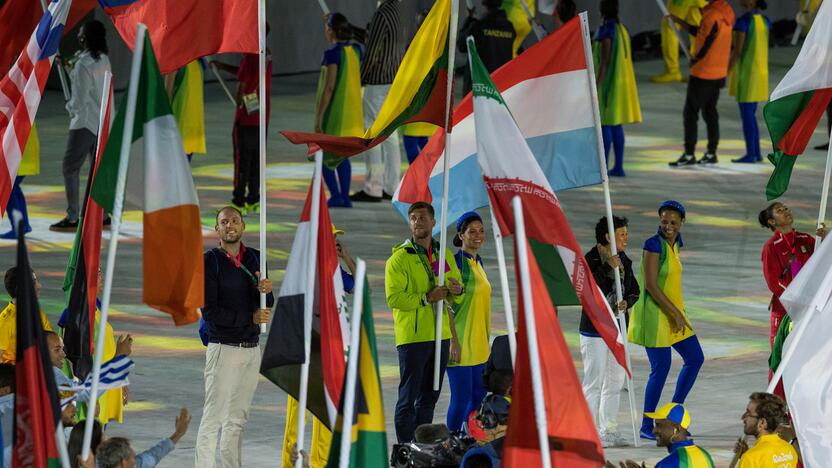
22	89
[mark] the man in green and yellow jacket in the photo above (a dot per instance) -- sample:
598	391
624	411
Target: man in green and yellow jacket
410	284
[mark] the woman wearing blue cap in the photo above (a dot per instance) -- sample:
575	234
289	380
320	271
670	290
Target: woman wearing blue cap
659	321
472	318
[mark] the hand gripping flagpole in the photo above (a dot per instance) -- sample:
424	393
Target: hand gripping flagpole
118	208
309	299
673	27
262	103
443	218
352	364
619	295
531	332
824	195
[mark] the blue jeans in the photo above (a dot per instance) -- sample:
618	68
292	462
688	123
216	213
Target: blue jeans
467	392
417	399
691	353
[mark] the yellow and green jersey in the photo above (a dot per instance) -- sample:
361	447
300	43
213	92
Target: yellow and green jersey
472	316
685	454
617	92
749	77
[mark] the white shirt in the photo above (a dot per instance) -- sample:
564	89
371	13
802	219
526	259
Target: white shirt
87	78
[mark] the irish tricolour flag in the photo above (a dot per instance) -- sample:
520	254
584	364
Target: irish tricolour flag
159	183
799	101
548	90
509	169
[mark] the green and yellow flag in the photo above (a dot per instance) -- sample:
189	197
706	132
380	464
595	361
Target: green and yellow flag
417	93
188	106
369	439
519	19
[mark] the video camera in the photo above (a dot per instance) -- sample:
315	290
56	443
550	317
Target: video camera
444	453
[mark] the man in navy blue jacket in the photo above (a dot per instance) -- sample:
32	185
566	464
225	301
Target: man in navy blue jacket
232	317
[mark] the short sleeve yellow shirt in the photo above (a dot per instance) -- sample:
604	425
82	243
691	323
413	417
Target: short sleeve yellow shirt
8	332
770	452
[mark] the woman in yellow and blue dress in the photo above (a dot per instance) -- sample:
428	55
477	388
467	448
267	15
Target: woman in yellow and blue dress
749	72
659	321
339	110
472	319
617	93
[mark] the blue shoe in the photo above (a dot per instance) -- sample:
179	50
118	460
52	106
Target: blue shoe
646	435
334	202
346	202
13	234
747	159
616	173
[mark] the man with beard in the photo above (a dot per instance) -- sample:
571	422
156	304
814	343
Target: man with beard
232	316
763	415
410	283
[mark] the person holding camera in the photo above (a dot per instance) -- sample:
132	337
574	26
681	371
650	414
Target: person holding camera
410	285
232	314
492	418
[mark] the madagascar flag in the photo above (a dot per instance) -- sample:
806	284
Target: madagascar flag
416	95
36	409
573	439
81	279
798	102
368	439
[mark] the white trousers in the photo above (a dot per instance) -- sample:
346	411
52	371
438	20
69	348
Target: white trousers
230	381
385	160
603	381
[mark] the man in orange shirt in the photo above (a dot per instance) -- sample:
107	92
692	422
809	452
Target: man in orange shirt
709	67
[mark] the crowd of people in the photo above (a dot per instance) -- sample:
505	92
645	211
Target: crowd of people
354	81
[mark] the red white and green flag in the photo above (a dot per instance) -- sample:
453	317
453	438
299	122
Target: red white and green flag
509	168
799	101
159	182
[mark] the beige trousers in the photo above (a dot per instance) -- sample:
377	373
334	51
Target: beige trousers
230	381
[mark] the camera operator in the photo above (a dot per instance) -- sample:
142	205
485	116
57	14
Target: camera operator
492	418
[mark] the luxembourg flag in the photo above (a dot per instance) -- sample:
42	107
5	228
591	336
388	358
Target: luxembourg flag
548	89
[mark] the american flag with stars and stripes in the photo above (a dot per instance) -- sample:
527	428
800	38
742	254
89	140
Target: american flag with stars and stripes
21	91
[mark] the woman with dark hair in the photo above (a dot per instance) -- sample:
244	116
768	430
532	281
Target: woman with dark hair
749	72
339	109
565	10
603	376
472	322
659	321
616	82
86	76
76	439
784	254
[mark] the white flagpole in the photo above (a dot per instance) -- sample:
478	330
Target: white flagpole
619	295
324	7
443	218
666	17
262	102
118	208
309	299
60	439
501	262
824	195
61	71
537	28
352	363
531	332
223	85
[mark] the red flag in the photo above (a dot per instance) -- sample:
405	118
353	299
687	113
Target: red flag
36	409
24	15
182	31
573	440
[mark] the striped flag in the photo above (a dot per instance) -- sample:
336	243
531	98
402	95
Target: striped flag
21	91
284	350
369	439
539	85
799	101
159	182
114	374
553	242
417	93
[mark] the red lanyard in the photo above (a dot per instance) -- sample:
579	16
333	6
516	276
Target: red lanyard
237	260
791	245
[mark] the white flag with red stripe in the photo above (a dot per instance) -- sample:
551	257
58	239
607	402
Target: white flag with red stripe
22	89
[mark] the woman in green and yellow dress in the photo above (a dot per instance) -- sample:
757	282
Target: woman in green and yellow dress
472	320
339	109
616	82
749	72
659	320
